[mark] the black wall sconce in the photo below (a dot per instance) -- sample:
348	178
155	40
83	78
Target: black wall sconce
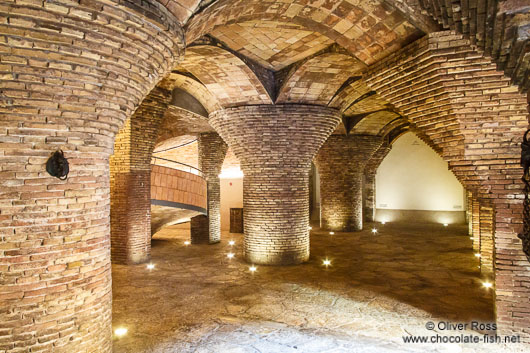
57	165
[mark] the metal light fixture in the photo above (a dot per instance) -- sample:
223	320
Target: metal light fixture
57	165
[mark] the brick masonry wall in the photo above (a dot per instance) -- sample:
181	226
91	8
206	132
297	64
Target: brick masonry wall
341	162
487	225
469	110
130	169
275	144
212	152
70	75
469	212
475	221
498	28
370	171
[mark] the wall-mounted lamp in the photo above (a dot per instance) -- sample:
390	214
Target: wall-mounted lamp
57	165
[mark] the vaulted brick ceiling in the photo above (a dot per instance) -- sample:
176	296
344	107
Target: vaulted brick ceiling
226	76
272	44
369	30
317	79
295	51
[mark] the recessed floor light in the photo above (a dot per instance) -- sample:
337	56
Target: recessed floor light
120	331
487	284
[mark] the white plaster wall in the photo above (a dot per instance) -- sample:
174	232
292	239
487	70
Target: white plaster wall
414	177
231	197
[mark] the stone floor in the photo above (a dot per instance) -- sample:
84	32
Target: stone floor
379	288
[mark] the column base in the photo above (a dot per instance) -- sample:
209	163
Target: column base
284	258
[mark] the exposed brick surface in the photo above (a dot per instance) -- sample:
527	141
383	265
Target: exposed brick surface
499	28
469	213
341	162
70	75
193	87
274	45
226	76
212	152
475	221
275	144
486	239
317	79
168	184
370	30
178	122
130	169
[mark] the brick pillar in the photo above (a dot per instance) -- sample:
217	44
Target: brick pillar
469	213
275	144
199	230
475	223
130	182
212	152
341	162
71	75
369	180
486	239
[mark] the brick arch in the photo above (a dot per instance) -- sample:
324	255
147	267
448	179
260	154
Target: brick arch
130	165
355	97
193	87
180	122
459	100
498	28
373	123
395	128
370	31
317	79
475	118
227	77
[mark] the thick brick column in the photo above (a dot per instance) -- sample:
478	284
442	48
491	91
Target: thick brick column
275	144
130	183
212	152
71	74
369	181
341	162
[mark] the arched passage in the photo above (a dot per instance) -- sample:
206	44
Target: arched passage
486	120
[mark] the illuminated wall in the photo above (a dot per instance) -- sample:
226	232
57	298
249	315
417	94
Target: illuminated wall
414	177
